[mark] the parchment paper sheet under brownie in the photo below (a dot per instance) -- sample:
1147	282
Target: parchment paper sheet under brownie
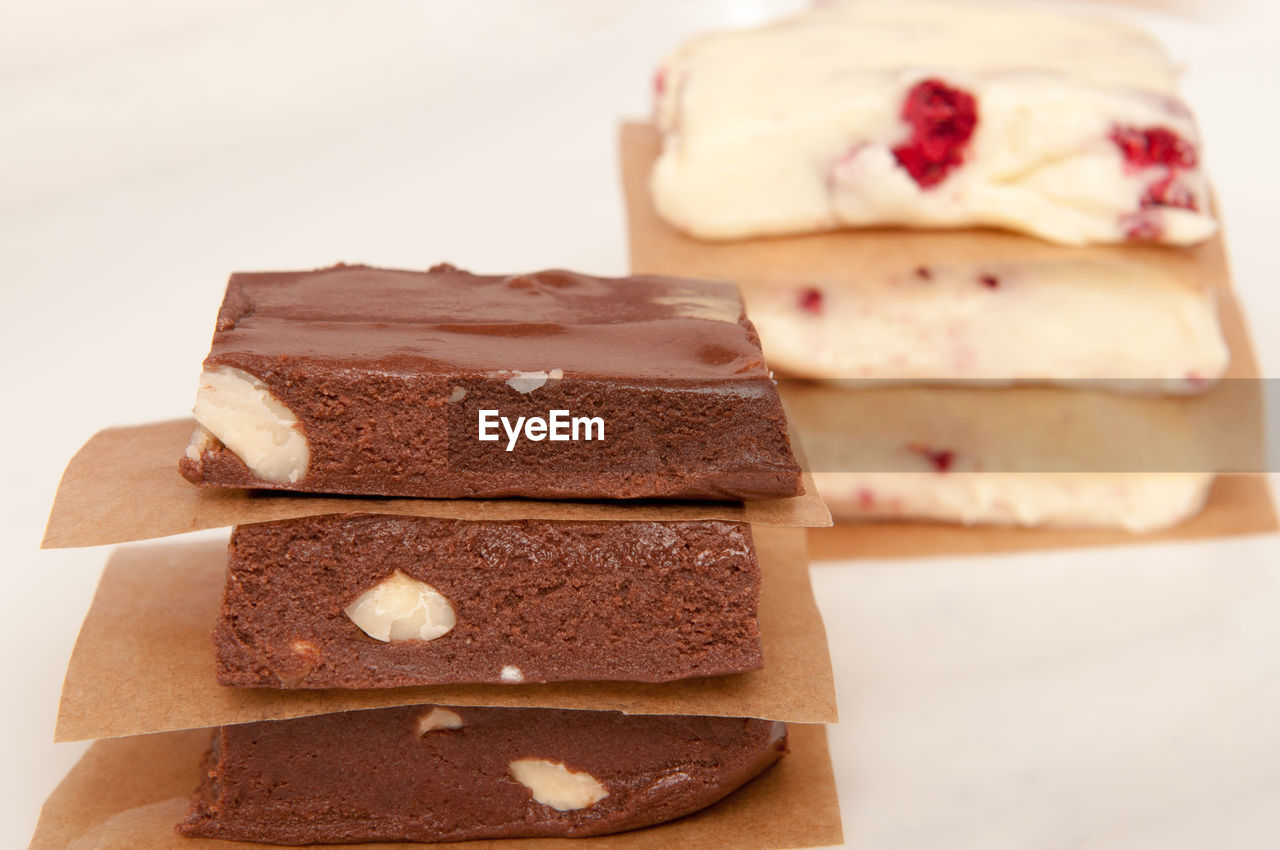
429	773
367	601
372	382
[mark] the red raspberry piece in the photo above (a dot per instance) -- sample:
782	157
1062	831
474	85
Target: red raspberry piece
1143	148
810	300
1156	147
942	121
1168	192
942	459
1143	228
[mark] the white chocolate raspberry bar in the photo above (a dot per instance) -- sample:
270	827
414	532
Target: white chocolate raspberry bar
1026	456
930	114
1118	324
1136	502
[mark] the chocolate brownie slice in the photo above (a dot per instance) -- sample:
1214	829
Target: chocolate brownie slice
430	773
367	601
445	384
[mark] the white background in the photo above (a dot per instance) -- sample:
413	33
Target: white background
1125	698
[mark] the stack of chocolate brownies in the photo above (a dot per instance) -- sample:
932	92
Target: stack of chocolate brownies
447	385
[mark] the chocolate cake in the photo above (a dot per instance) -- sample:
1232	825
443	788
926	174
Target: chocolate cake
367	601
430	773
445	384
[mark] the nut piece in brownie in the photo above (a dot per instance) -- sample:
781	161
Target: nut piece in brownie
430	773
445	384
373	600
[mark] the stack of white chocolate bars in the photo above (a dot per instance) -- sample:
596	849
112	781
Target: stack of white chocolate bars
943	212
398	649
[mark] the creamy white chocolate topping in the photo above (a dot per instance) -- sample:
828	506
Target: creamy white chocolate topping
240	411
1077	321
1134	502
794	127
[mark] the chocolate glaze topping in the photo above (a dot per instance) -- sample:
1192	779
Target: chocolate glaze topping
640	327
386	372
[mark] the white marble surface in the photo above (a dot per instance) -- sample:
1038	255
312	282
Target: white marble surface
1123	698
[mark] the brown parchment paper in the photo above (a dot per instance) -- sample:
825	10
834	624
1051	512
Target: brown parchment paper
127	794
123	485
1238	504
144	659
